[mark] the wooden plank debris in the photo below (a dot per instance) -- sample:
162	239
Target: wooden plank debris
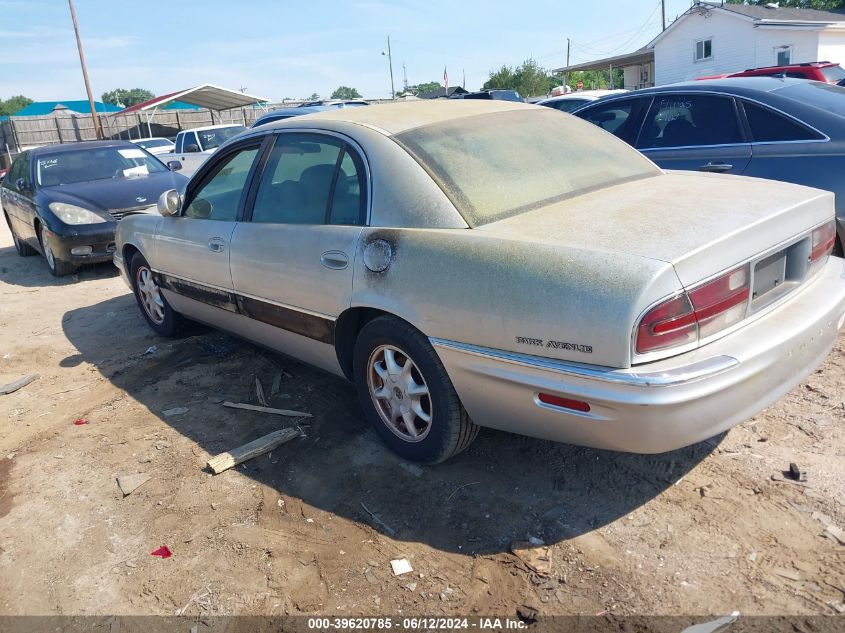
265	444
18	384
259	391
252	407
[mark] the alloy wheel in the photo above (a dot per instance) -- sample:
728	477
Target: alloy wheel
150	295
399	393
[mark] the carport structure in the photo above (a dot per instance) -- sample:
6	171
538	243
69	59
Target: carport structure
213	98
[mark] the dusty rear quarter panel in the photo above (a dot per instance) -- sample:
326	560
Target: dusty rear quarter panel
462	285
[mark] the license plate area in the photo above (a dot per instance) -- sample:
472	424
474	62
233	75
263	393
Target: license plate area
777	274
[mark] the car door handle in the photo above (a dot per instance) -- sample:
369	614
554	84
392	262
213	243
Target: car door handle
715	167
336	260
216	244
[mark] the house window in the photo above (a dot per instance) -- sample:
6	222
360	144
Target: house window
783	55
704	49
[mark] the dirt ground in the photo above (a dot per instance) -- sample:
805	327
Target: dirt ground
703	530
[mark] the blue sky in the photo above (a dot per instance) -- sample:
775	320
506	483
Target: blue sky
290	49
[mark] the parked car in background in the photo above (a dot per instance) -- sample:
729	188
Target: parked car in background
155	145
499	95
194	146
827	72
782	129
566	290
573	100
64	201
343	103
285	113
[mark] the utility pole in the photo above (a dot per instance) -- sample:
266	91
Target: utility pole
94	118
464	82
390	62
566	74
663	12
405	77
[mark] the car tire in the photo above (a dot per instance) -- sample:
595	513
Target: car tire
23	249
58	268
401	382
162	318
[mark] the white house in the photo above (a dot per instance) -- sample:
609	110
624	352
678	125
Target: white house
713	38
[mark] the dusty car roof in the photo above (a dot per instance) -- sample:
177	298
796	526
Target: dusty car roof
395	118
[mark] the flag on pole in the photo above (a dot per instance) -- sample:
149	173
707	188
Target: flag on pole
446	80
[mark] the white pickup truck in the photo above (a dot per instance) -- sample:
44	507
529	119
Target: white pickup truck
194	146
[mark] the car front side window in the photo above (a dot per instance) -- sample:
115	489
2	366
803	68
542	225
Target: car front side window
311	179
219	196
678	120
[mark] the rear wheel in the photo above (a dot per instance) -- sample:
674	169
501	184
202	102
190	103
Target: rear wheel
23	249
407	394
163	319
58	268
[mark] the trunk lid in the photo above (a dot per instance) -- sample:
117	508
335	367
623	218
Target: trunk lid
700	223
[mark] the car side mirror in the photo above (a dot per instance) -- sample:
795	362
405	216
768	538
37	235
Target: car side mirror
174	165
20	185
169	203
192	148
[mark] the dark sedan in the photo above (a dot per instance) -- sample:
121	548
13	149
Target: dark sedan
64	201
781	129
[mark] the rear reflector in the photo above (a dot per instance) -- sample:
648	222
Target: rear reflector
702	311
564	403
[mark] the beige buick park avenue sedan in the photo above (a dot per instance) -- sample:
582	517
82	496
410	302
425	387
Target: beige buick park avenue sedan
483	263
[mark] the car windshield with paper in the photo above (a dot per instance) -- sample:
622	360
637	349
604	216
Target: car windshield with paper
67	167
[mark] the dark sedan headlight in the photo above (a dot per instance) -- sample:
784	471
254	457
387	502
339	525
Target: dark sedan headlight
72	214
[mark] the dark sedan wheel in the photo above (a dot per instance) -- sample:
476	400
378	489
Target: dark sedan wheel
23	249
163	319
58	268
407	394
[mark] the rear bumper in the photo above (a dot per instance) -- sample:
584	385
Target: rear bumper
660	406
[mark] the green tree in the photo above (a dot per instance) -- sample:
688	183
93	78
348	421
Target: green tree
428	86
825	5
529	79
314	97
13	104
345	92
126	98
596	79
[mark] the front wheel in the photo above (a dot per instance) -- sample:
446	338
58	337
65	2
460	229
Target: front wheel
163	319
58	267
407	394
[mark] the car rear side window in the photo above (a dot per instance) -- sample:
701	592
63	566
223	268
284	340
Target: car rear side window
311	179
679	120
767	126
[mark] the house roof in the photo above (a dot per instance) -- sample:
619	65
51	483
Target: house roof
641	56
204	96
40	108
790	14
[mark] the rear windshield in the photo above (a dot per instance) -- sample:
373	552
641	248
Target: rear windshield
211	139
815	93
493	166
102	163
833	74
154	142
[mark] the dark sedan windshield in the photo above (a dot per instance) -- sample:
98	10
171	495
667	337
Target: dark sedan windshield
212	139
66	167
493	166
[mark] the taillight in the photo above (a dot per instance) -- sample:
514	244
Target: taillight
695	314
824	238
